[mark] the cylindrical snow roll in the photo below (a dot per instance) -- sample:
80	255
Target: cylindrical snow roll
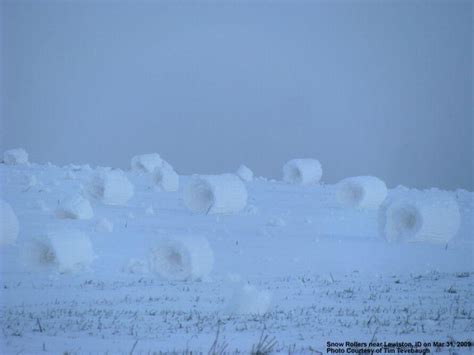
420	218
15	156
68	251
302	171
224	193
146	162
245	173
9	226
166	178
75	207
182	258
111	187
361	192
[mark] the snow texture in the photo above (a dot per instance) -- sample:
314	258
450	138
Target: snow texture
248	299
210	194
182	258
420	217
16	156
364	192
166	178
111	187
75	207
9	226
146	162
245	173
68	251
302	171
104	225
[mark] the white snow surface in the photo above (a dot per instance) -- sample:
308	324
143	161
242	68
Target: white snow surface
331	273
247	299
302	171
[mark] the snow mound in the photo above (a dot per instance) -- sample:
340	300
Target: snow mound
104	225
15	156
75	207
166	178
136	266
9	226
245	173
224	193
146	162
420	217
182	258
302	171
67	251
111	187
249	300
364	192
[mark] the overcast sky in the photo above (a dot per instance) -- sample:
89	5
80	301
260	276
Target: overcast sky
366	87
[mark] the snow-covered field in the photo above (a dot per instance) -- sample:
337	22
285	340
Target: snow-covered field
292	270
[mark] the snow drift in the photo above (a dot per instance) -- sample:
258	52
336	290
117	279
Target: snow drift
224	193
9	226
245	173
419	217
146	162
75	207
361	192
166	178
182	258
15	156
302	171
68	251
111	187
248	299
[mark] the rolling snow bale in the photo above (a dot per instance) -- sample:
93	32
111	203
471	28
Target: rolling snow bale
182	258
111	187
245	173
361	192
146	162
15	157
9	226
224	193
68	251
75	207
420	218
165	177
249	300
302	171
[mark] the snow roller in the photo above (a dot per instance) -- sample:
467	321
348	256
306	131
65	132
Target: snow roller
211	194
302	171
9	226
363	192
420	218
182	258
67	250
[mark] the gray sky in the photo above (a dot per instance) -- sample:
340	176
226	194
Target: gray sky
365	87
